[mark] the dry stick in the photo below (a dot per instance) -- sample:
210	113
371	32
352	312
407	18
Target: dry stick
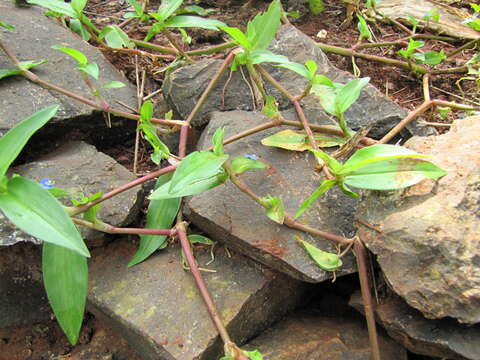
82	208
110	229
419	111
172	41
361	256
289	220
426	87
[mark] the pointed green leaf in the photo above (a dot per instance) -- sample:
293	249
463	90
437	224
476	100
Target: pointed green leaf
316	6
270	108
200	239
322	189
297	68
34	210
260	56
113	85
15	139
326	96
137	6
195	168
198	187
160	215
24	64
74	53
77	27
254	355
238	36
116	37
160	150
90	69
65	276
7	26
349	94
347	191
332	163
58	6
78	6
274	208
363	28
183	21
262	29
287	139
241	164
167	8
325	260
218	141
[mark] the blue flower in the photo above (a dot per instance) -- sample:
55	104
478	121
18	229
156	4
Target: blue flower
250	156
47	183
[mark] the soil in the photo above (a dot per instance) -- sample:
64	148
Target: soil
46	341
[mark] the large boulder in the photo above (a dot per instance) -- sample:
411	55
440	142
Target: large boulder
32	40
232	217
426	237
183	87
442	338
156	306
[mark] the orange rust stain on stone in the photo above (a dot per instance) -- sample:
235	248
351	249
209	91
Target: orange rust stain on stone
272	246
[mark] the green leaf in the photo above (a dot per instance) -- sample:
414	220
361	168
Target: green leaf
260	56
238	36
154	29
24	64
58	6
414	22
160	150
196	168
296	67
7	26
194	9
116	37
185	37
349	93
160	215
113	85
183	21
74	53
298	141
78	6
430	57
199	239
334	166
316	6
65	276
241	164
322	189
91	213
347	191
274	208
262	29
15	139
412	46
270	108
324	260
34	210
77	27
137	7
326	96
387	167
218	141
363	28
167	8
90	69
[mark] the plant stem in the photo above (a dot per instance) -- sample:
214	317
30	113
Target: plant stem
82	208
202	288
159	48
182	147
361	256
172	41
463	47
211	49
211	85
289	220
110	229
275	83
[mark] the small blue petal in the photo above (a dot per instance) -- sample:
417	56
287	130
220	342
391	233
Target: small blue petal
250	156
47	183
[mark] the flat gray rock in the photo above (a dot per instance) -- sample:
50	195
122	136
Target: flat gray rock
78	167
183	87
427	239
155	305
32	40
308	336
232	217
445	338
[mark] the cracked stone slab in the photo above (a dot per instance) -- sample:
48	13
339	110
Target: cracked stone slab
32	40
426	237
309	336
230	216
155	305
443	338
79	167
183	87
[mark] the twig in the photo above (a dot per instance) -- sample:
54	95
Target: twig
110	229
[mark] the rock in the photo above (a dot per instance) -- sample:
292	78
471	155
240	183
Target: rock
232	217
312	336
79	168
427	242
445	338
32	40
183	87
155	305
